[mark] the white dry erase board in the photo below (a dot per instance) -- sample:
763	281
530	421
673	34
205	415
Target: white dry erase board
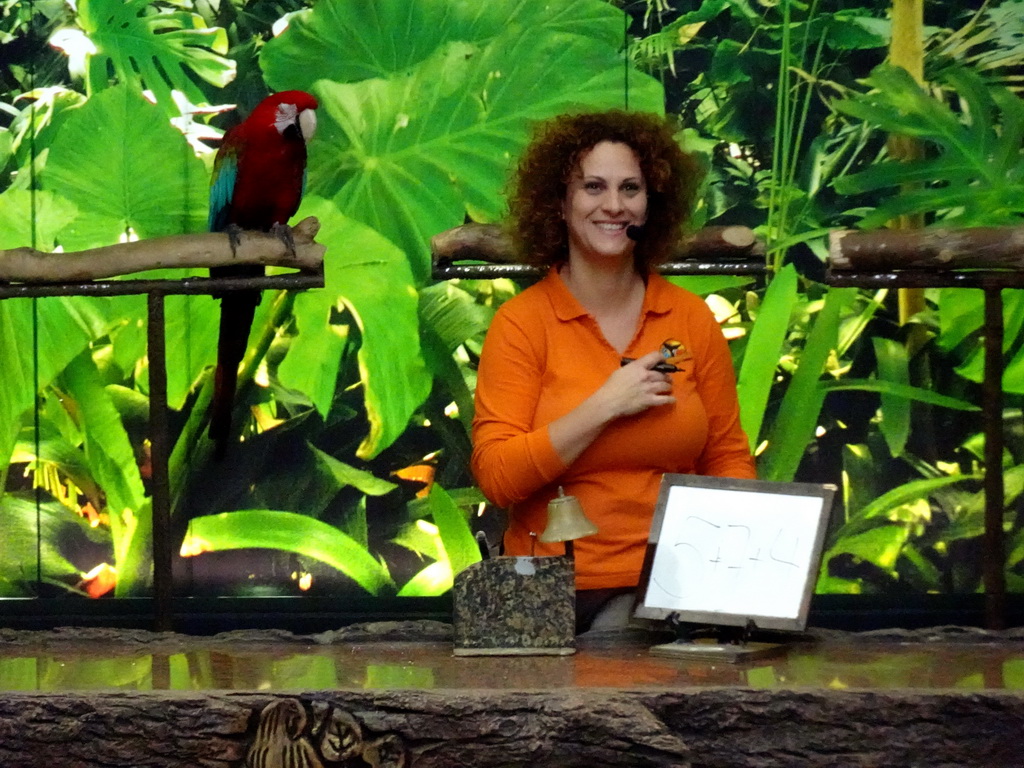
726	552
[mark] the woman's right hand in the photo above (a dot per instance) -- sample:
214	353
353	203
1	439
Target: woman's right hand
631	389
635	387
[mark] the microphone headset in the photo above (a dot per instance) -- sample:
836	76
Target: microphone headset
635	232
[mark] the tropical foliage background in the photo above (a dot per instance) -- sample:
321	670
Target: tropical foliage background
349	474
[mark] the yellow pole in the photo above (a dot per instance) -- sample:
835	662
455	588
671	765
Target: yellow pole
907	51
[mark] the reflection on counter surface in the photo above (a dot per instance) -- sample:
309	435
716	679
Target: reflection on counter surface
206	665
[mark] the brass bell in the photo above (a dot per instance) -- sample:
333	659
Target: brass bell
566	520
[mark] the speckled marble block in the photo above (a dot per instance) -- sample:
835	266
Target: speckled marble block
515	606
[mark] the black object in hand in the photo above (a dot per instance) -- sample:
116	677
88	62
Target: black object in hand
663	367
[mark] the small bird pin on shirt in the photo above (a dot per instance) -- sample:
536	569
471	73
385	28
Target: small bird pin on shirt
673	352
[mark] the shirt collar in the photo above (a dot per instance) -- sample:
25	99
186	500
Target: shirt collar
657	299
564	303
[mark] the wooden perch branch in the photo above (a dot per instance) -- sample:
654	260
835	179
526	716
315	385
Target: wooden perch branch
711	242
490	243
933	249
207	249
473	242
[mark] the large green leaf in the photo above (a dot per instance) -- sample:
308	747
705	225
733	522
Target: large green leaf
191	327
288	532
757	372
435	579
316	353
6	147
111	460
35	126
794	426
901	391
410	155
453	314
449	541
967	517
421	537
33	538
704	285
190	335
366	274
33	219
906	493
38	338
459	544
860	478
124	165
880	546
107	447
962	315
51	447
449	317
650	49
974	173
353	41
991	43
153	49
893	363
346	474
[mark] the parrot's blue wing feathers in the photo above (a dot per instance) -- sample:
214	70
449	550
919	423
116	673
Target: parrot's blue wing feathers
222	189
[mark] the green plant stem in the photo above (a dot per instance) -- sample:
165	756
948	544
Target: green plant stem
780	145
791	114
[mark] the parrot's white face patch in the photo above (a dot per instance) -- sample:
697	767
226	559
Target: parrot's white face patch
285	116
288	115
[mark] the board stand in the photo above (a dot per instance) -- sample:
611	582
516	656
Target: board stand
731	644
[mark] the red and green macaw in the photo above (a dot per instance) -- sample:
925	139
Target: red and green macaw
258	178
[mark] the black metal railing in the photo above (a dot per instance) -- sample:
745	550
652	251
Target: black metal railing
156	291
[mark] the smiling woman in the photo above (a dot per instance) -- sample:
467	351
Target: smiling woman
604	198
605	201
601	199
553	161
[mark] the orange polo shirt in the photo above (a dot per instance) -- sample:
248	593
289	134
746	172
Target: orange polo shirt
542	357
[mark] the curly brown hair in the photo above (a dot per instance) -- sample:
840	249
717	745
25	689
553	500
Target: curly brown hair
539	183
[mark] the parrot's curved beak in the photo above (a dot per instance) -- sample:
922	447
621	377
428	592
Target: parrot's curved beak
307	124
